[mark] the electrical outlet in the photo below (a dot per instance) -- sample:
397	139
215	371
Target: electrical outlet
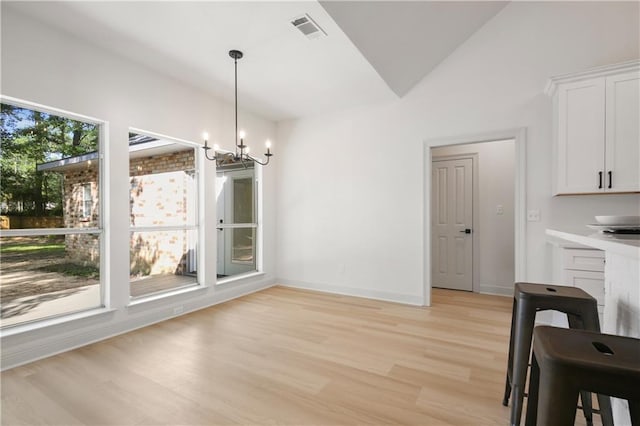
533	215
499	209
178	310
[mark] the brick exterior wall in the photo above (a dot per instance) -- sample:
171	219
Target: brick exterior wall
81	248
159	196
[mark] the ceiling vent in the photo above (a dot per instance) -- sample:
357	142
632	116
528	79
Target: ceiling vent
308	27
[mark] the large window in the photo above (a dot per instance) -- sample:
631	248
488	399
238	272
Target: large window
50	199
237	203
163	215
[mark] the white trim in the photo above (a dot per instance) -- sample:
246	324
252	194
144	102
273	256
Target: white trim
496	290
19	328
239	277
142	300
236	225
47	231
50	110
167	228
520	214
104	218
603	71
161	136
407	299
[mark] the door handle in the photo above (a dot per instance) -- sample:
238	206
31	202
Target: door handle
610	179
466	231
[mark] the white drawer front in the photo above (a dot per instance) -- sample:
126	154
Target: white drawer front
584	260
589	281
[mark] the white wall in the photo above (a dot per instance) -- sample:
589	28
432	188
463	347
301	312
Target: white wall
47	67
494	233
351	190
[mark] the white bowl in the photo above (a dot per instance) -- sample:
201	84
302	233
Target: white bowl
618	220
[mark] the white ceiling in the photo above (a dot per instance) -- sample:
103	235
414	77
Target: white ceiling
372	50
405	40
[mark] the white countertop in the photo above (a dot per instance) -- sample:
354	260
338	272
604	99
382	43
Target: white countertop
624	244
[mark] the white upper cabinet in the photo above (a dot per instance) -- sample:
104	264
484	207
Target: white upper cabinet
596	130
622	142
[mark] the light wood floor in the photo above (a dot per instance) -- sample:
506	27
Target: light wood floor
282	356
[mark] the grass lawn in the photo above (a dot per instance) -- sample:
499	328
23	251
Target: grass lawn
30	250
33	249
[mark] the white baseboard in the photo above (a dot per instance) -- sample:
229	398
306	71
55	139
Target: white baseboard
48	341
496	290
407	299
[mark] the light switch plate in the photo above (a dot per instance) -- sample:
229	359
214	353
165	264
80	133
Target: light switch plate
533	215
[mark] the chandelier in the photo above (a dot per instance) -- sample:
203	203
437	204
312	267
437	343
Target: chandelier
241	153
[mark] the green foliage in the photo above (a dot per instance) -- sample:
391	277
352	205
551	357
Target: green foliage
72	269
35	249
30	138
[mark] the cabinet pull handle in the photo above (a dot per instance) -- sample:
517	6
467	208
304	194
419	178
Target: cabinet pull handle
599	180
610	179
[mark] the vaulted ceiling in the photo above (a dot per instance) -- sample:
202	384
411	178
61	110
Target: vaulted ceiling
373	51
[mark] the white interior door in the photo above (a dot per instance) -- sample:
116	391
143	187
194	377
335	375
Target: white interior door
452	220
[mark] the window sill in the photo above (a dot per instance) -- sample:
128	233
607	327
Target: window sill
166	295
240	277
49	322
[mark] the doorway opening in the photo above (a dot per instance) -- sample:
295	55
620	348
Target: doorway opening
474	213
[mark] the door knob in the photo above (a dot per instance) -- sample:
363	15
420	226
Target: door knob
466	231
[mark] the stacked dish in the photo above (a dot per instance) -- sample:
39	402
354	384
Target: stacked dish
617	224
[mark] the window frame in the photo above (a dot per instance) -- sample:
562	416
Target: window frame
100	231
257	225
197	226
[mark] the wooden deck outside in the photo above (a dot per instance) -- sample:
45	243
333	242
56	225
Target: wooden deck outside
158	283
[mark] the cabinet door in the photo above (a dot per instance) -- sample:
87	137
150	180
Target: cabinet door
581	132
622	148
591	282
583	259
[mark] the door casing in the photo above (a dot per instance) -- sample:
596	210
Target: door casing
519	136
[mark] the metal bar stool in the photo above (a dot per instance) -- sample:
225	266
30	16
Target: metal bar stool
566	361
529	298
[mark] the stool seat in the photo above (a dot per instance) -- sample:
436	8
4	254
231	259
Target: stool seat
550	293
529	298
567	361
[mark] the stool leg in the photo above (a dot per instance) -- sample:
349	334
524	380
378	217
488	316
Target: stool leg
587	407
634	410
592	322
575	321
525	320
507	385
532	400
605	410
557	399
